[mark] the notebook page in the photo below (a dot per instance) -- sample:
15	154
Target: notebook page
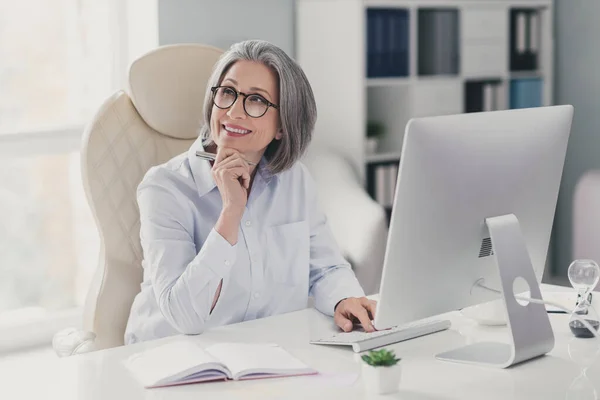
169	363
249	358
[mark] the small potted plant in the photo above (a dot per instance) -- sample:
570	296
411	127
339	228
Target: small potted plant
381	371
374	132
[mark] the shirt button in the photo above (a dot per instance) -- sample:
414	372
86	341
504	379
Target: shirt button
227	262
256	295
248	223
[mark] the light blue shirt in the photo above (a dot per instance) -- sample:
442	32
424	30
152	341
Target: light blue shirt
285	251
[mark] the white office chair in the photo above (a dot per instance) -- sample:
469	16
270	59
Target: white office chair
156	119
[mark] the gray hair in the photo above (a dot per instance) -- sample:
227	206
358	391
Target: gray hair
297	107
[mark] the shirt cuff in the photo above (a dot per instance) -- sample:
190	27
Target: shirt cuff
338	285
217	254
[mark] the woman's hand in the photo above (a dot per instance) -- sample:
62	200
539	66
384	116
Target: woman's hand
355	309
232	175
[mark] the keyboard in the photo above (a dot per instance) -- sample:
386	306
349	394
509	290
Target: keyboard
363	341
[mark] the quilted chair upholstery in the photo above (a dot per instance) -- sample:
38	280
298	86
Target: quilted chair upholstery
157	118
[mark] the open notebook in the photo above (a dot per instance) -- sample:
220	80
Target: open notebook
184	361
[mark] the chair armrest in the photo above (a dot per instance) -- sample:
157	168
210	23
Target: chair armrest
71	341
358	223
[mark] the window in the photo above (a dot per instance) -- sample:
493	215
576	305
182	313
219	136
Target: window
56	59
48	240
59	60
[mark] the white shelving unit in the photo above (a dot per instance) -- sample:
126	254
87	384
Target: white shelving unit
331	45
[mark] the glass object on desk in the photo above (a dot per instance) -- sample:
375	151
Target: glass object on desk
583	353
584	276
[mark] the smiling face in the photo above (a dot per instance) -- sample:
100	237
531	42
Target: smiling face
232	127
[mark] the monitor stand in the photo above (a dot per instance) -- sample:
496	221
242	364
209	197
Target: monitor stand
530	330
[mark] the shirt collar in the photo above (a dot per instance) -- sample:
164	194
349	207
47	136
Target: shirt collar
201	170
264	171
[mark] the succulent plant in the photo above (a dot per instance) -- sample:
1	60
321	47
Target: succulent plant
375	129
381	358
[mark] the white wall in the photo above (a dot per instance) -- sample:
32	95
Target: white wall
221	23
577	82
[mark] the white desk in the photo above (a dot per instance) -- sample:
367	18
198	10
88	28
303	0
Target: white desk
100	375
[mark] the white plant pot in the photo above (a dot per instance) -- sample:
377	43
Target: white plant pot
381	380
371	145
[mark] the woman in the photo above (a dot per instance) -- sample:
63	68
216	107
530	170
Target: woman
242	237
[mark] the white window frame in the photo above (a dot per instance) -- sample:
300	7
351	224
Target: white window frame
42	142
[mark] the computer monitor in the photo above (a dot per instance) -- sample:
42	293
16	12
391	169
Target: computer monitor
456	173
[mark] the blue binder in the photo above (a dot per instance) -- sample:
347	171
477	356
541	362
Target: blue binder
371	67
526	93
387	42
375	39
399	51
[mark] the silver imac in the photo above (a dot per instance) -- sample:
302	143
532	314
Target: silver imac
474	205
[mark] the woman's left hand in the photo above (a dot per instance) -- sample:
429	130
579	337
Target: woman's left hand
353	309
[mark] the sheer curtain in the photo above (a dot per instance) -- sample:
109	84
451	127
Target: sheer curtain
59	60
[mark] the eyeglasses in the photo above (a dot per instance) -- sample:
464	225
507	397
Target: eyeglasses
254	104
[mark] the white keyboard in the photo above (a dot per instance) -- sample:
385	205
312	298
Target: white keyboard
363	341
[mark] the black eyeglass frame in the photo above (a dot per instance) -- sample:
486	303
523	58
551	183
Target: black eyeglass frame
269	104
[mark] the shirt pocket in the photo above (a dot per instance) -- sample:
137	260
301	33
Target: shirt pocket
288	254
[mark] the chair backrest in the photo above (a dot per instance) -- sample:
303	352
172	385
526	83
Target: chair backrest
158	117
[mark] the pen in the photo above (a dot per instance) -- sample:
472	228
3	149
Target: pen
211	157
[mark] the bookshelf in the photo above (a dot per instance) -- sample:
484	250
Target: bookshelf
392	60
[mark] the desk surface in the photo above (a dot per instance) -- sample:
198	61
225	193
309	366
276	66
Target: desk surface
569	371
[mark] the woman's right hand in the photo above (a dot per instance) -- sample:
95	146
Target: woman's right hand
232	175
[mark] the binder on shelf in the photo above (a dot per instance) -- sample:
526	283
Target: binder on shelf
371	67
534	32
484	95
398	40
391	45
375	37
380	184
391	184
383	38
526	93
500	97
438	42
521	29
381	181
488	97
447	47
387	42
524	39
